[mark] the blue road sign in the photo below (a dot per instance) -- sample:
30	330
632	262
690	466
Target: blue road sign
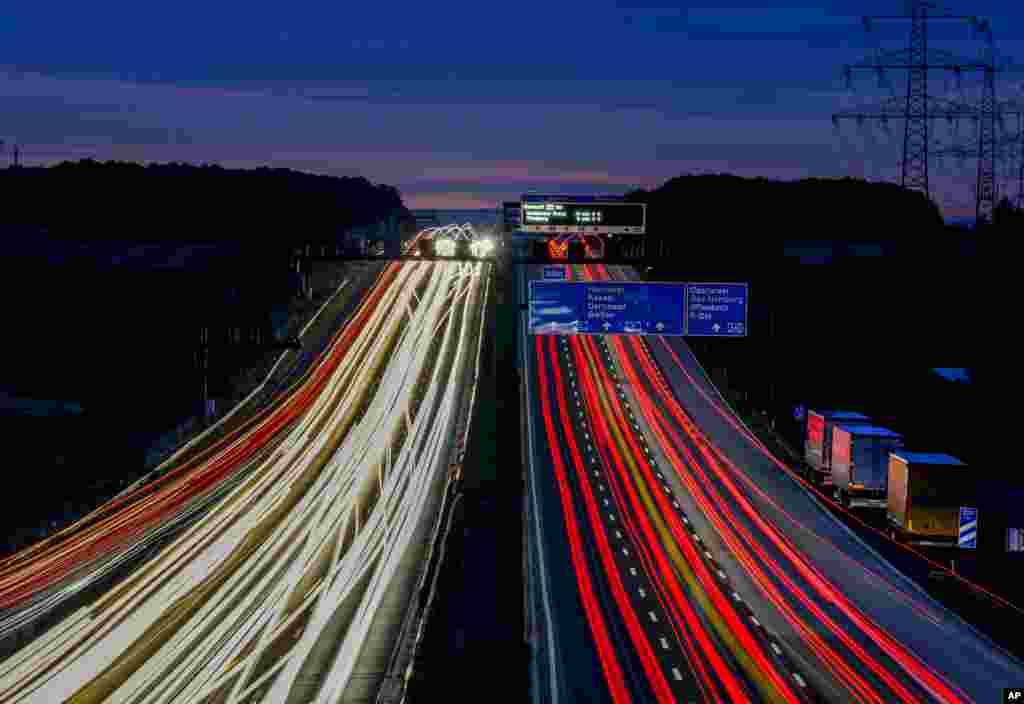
554	273
612	307
798	413
716	310
968	533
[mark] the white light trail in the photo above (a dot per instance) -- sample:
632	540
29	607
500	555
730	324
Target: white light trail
303	549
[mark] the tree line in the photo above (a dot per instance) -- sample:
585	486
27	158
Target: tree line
178	202
705	214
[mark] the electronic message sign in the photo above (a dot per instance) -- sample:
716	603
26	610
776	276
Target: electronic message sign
584	214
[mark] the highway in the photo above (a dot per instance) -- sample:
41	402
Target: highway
299	537
682	562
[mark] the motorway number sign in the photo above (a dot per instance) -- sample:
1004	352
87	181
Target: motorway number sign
967	536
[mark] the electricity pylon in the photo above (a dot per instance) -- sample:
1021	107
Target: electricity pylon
1006	147
917	106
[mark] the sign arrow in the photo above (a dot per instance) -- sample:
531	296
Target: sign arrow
716	327
660	326
607	325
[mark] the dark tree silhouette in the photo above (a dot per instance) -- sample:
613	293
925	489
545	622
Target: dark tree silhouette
705	215
182	202
1007	217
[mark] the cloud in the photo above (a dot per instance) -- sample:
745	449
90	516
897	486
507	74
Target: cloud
452	201
758	94
341	99
503	127
751	154
612	107
483	188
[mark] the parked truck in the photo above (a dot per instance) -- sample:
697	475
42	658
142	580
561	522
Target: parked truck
925	493
860	463
818	441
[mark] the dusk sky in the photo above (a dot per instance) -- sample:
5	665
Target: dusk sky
465	104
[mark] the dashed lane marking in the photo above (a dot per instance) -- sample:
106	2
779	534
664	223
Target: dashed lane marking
664	643
778	651
643	594
632	571
677	674
654	616
799	680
